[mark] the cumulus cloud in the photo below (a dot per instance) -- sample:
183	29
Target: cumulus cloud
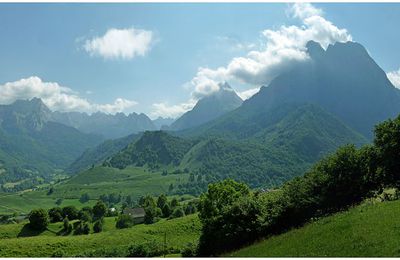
165	110
284	48
56	97
394	77
120	44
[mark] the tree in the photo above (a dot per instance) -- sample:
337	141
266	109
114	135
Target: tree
71	212
124	221
161	201
38	219
51	190
98	226
387	143
150	215
85	216
99	210
166	210
213	206
174	203
66	224
59	201
84	198
55	214
171	187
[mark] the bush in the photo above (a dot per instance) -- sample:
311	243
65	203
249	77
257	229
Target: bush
124	221
190	250
99	210
71	212
98	226
55	214
177	213
81	228
150	249
38	219
84	198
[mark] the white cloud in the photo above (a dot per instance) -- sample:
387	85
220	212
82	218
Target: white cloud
248	93
165	110
120	44
394	77
283	49
56	97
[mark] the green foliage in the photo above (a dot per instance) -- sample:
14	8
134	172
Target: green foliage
99	210
98	226
161	201
151	215
387	143
166	210
177	213
84	198
81	228
190	250
124	221
149	249
70	212
38	219
55	214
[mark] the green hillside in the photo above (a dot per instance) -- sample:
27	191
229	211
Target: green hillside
368	230
97	155
152	149
133	181
15	240
260	149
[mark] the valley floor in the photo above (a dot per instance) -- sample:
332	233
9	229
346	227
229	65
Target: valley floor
368	230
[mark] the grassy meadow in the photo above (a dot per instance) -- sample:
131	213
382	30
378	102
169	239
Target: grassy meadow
16	240
368	230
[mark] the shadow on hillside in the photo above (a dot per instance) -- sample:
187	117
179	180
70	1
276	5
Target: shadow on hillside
27	231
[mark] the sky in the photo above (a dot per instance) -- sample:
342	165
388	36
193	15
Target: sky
159	59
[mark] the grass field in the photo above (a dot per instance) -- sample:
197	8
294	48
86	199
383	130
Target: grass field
15	239
366	230
134	181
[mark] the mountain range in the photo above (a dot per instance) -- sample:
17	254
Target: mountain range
333	98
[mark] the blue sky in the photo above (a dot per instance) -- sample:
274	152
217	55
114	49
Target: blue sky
79	56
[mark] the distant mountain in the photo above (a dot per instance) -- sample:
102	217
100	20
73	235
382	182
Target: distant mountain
109	126
344	80
162	122
97	155
209	108
277	146
33	146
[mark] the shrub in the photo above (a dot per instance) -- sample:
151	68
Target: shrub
190	250
98	226
124	221
55	214
71	212
177	213
38	219
99	210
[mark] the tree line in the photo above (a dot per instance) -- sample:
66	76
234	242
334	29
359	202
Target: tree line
232	215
